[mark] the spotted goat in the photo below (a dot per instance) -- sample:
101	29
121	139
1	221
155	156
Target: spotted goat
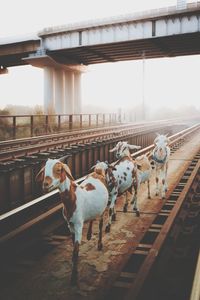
84	202
120	177
144	170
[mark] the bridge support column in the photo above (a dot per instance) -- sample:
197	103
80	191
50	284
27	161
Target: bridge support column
62	84
49	93
59	91
77	93
69	93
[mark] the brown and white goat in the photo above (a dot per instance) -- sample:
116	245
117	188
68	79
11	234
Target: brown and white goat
81	203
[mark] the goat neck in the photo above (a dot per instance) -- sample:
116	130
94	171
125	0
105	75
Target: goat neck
68	196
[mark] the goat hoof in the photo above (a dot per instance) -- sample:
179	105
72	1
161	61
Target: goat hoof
89	236
107	228
74	281
125	209
114	217
149	197
156	194
137	213
100	246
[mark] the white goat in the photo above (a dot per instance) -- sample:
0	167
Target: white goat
81	202
120	177
160	156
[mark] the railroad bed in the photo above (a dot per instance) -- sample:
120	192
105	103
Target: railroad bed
43	270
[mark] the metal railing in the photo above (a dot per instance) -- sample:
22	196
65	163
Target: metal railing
20	126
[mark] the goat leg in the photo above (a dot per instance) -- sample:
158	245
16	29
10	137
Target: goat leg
74	276
100	245
89	233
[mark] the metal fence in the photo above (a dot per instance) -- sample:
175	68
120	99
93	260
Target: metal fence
20	126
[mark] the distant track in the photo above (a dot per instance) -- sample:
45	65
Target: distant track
12	149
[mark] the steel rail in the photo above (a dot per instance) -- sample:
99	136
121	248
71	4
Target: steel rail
44	144
72	133
16	148
82	131
175	138
135	288
195	293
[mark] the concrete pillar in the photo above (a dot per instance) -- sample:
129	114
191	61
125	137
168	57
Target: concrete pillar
59	91
49	92
62	91
69	93
77	93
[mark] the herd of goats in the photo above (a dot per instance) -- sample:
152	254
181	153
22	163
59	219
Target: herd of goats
90	199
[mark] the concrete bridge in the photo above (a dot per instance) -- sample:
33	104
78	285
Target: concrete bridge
64	52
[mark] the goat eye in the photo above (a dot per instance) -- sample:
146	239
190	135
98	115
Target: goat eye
58	170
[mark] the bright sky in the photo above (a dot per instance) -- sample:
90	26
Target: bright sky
171	82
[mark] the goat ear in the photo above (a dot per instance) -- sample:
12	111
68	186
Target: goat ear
149	155
68	172
132	147
92	167
168	141
40	175
112	167
112	150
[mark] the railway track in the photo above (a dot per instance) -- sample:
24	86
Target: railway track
131	280
13	149
17	183
23	217
128	283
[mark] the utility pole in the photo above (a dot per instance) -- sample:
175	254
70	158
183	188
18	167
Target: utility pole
143	86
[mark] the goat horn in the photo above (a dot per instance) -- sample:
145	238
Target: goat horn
38	174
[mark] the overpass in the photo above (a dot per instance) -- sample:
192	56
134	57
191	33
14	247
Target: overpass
64	52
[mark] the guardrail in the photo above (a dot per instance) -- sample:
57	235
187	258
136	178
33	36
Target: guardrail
18	126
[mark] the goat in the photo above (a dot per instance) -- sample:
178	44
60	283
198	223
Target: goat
143	175
160	156
80	202
120	178
122	149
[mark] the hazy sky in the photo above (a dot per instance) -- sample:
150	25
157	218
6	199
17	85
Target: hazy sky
171	82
